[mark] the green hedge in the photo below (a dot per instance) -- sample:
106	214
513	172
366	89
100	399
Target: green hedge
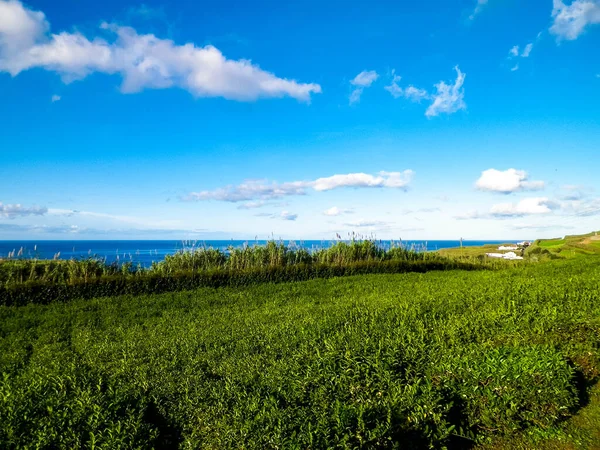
45	292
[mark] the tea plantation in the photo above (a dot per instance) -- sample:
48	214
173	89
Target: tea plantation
452	359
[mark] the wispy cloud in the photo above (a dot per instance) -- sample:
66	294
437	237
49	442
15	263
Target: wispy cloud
506	181
284	215
514	53
143	61
570	21
17	210
449	98
55	98
525	207
262	190
335	211
260	204
394	88
478	8
541	227
527	50
362	81
363	223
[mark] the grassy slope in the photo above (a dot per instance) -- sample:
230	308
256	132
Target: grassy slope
567	247
470	251
570	246
297	365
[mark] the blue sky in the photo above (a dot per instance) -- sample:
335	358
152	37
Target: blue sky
185	119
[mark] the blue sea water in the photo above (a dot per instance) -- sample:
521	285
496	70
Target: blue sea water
146	252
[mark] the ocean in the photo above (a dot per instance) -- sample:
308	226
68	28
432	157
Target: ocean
146	252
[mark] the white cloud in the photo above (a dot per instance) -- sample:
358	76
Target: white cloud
383	179
507	181
527	50
355	95
415	94
253	190
365	78
335	211
394	88
55	98
12	211
571	20
449	98
514	53
525	207
478	8
411	93
361	81
143	61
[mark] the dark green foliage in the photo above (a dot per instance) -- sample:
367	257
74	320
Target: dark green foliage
412	360
157	282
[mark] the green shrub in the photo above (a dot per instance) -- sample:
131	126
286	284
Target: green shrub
507	389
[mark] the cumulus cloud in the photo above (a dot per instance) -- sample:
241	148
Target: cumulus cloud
514	51
143	61
55	98
17	210
257	190
361	81
525	207
448	98
569	21
478	8
335	211
507	181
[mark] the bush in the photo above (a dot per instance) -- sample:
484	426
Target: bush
43	292
505	389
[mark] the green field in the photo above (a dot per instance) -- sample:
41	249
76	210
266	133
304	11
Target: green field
502	359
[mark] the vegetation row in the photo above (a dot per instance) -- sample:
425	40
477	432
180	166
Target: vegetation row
156	281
